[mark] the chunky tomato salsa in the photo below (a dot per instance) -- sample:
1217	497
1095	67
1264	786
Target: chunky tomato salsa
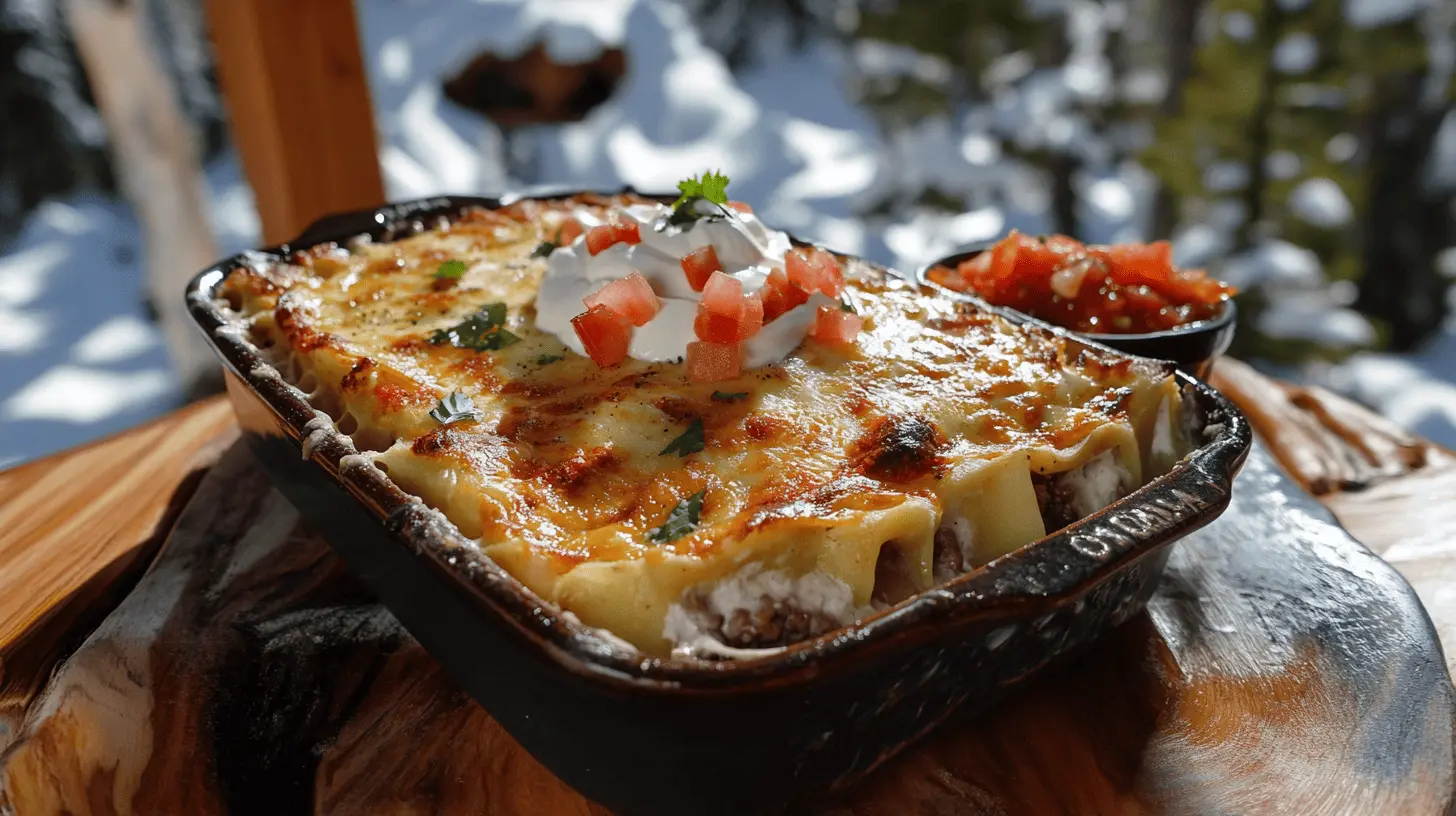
1122	289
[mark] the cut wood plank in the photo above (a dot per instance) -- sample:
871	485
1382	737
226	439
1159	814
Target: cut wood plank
298	100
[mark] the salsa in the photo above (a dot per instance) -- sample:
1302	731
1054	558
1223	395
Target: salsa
1122	289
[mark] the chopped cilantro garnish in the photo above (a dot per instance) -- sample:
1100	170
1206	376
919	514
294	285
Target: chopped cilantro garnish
453	270
711	187
548	359
691	441
724	396
681	521
482	331
846	306
455	408
544	249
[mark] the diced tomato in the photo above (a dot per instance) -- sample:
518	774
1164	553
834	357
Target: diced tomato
721	310
625	228
815	270
750	318
715	328
779	295
1133	265
599	238
1004	256
1098	289
740	207
604	334
569	231
834	325
631	298
712	362
722	294
699	264
947	277
831	272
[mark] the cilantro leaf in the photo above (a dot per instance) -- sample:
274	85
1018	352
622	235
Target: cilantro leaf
846	306
455	408
712	187
453	270
544	249
482	331
548	359
691	441
681	521
724	396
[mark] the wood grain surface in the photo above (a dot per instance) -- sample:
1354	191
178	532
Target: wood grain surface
1281	668
77	529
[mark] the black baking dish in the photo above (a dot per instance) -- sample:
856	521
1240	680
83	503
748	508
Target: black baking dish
647	735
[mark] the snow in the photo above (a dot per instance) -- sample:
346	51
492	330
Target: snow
1296	53
79	357
1373	13
1318	320
1277	265
1322	203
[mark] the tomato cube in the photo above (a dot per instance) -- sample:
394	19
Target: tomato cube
947	277
699	265
779	295
1004	256
631	298
599	238
750	318
605	335
569	231
834	325
712	362
723	295
740	207
715	328
831	273
815	270
625	228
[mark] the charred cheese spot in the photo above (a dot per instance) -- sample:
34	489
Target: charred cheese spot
899	449
358	376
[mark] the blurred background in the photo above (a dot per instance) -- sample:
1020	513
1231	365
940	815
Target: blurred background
1305	150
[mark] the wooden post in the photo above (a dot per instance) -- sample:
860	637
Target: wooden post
298	103
155	154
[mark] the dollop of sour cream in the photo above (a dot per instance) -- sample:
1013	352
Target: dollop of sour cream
748	250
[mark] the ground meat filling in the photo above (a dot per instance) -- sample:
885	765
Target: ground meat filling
1075	494
1054	497
947	560
771	623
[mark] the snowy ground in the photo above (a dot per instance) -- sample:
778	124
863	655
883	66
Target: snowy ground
78	358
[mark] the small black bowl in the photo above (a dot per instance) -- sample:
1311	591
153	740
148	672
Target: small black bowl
1193	348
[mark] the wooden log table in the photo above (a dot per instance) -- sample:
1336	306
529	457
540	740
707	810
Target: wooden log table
172	640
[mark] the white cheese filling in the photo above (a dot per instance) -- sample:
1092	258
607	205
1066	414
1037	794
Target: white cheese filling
750	589
1096	484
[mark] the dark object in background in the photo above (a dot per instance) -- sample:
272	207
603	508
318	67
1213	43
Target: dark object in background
534	89
643	735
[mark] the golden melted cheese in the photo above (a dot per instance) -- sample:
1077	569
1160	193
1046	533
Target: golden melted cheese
937	412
